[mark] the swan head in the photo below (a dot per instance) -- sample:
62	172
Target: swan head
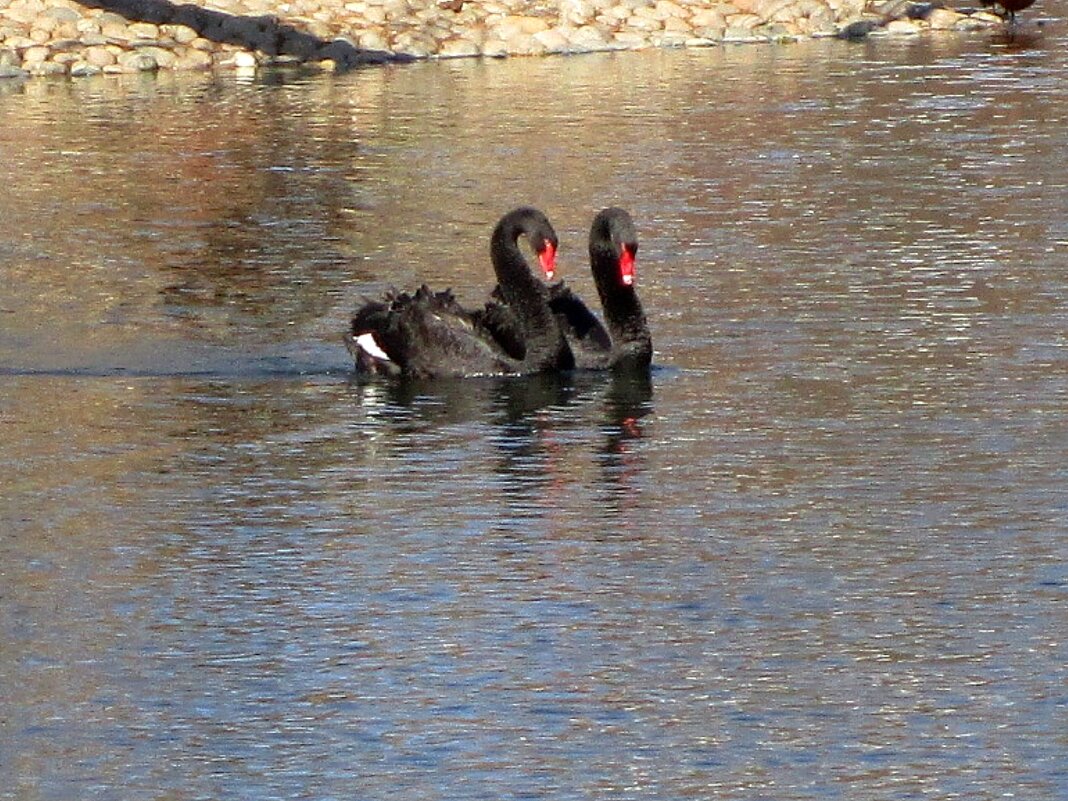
613	241
532	223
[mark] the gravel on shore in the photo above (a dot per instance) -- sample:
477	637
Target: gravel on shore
65	37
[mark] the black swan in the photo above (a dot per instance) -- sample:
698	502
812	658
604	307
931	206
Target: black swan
626	343
613	249
428	334
1010	6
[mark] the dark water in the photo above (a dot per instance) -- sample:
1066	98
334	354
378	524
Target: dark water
820	555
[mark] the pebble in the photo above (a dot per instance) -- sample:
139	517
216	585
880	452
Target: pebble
63	37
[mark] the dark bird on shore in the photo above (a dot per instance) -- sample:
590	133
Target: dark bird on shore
1010	6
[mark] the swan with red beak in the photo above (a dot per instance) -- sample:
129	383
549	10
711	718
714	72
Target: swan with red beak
428	334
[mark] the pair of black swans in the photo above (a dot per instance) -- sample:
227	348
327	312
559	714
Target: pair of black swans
529	326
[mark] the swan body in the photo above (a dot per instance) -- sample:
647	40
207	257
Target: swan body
428	334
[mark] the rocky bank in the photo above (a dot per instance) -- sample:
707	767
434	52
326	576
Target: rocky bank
65	37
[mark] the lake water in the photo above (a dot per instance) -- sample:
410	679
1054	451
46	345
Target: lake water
820	554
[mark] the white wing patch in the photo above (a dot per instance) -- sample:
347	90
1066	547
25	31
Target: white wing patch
367	342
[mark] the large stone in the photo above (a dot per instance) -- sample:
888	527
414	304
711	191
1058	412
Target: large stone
745	22
82	69
22	15
99	56
578	12
648	12
821	24
589	37
164	58
708	18
670	9
19	42
373	39
44	24
137	61
87	25
11	71
777	32
118	31
374	15
669	39
61	14
943	19
492	48
243	59
66	29
35	55
46	68
643	24
738	34
458	48
526	25
711	33
144	30
110	17
182	34
970	23
553	40
630	40
193	60
902	27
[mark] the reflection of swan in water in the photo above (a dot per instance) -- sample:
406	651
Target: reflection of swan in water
545	433
1012	38
545	441
629	398
493	400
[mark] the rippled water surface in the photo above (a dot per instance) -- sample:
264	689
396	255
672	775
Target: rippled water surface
819	555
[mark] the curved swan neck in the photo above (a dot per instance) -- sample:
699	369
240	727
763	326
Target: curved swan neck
611	236
523	291
513	272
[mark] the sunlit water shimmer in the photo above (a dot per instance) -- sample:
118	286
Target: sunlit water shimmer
821	554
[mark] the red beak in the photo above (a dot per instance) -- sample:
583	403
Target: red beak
626	267
547	257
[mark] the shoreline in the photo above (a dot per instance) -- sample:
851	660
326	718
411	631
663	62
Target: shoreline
76	39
